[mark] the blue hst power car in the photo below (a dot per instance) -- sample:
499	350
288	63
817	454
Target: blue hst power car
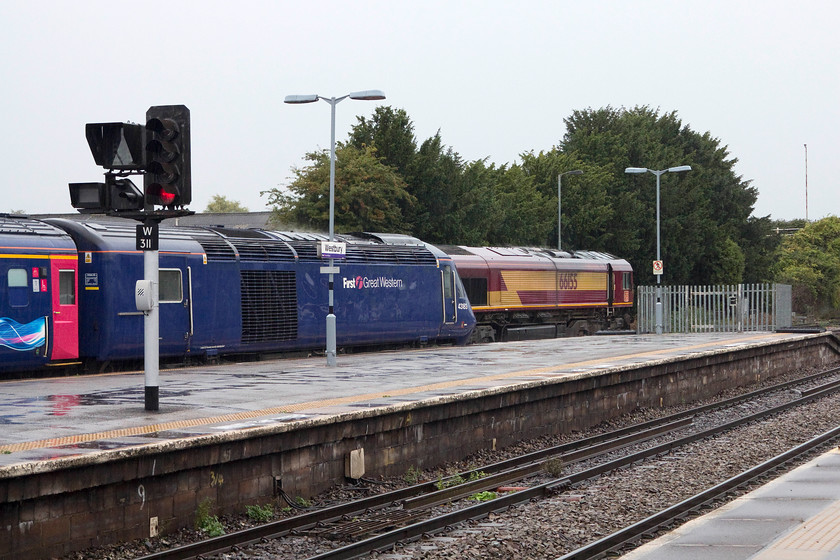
68	293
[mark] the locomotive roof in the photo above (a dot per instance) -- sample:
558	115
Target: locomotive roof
256	245
525	252
24	225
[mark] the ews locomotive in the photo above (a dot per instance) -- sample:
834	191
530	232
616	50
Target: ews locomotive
518	293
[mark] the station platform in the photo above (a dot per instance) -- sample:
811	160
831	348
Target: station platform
49	419
795	517
83	464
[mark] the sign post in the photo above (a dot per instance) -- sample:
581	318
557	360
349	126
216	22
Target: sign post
148	241
331	250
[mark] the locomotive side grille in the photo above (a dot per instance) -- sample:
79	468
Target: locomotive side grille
217	249
269	306
262	250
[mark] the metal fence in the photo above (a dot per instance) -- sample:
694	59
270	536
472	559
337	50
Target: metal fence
739	308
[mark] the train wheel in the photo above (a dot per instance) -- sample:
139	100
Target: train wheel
578	328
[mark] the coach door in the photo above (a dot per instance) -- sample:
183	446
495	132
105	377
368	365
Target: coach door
450	306
64	285
175	310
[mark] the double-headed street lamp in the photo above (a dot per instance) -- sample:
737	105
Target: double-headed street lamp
559	207
658	254
367	95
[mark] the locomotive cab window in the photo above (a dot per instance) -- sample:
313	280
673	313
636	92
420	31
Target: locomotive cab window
171	287
476	290
448	282
627	283
18	281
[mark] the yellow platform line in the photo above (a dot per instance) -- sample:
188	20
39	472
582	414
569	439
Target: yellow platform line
311	405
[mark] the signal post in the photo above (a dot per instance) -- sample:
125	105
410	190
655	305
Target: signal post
160	151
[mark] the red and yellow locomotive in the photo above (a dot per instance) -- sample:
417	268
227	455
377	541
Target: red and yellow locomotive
521	293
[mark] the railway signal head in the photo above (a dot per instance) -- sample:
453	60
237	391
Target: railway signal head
114	195
167	179
116	146
122	194
88	198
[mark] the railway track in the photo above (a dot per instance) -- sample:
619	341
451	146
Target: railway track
404	515
428	494
695	504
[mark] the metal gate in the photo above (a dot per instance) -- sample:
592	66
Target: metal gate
737	308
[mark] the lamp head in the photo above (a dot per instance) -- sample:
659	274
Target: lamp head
367	95
636	170
294	99
679	168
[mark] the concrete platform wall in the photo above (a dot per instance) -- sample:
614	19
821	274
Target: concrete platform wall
54	507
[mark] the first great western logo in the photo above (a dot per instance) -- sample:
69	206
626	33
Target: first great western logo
364	282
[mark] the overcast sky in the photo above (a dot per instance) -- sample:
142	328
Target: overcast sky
497	78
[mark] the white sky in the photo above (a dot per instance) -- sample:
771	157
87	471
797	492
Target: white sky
496	77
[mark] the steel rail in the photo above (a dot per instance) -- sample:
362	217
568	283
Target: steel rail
310	520
824	389
417	530
520	472
657	521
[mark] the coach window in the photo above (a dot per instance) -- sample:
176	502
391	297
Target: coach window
170	286
67	287
18	280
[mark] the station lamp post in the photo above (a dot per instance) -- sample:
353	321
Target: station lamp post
368	95
559	206
658	310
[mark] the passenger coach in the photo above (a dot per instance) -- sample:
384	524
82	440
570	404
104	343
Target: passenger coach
39	307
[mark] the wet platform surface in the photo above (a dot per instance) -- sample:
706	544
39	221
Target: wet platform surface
795	517
46	419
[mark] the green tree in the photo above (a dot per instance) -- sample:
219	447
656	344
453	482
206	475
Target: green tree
437	184
703	212
391	132
759	248
523	215
219	204
587	212
729	268
369	195
809	260
385	181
